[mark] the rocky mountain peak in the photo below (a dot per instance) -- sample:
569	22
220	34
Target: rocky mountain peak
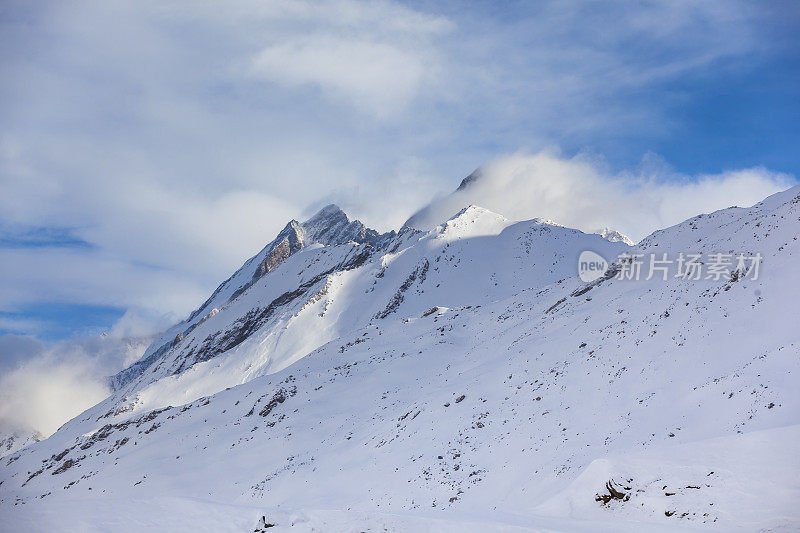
331	226
329	215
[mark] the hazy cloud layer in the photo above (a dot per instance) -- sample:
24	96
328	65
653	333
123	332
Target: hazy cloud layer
42	385
581	193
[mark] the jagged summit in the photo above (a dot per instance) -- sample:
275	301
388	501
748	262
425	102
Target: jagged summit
330	225
325	222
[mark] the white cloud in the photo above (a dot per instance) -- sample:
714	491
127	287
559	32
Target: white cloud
44	393
49	384
383	203
369	75
376	57
579	192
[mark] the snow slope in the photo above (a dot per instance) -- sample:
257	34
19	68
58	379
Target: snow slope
12	441
458	379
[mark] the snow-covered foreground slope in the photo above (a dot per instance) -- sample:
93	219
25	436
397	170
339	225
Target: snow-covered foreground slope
461	379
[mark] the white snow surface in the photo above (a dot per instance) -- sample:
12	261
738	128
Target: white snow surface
462	379
614	236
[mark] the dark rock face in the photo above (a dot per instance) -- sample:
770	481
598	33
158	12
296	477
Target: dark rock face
418	274
290	244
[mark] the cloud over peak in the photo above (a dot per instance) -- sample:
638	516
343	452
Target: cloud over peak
581	192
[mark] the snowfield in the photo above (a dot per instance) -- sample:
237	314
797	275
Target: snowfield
459	379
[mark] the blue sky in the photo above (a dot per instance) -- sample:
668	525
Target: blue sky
148	148
57	320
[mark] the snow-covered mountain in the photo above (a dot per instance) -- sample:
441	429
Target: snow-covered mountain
461	378
475	186
329	227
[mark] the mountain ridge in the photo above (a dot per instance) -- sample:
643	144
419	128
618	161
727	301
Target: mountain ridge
407	386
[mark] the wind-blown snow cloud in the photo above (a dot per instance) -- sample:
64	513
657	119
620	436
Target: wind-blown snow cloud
579	192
